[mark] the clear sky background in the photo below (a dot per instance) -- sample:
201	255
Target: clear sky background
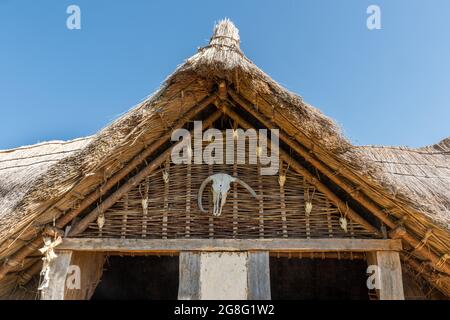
389	86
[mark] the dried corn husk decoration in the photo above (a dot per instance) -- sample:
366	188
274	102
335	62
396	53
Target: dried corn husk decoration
308	203
101	221
48	250
145	206
165	177
343	223
282	180
308	208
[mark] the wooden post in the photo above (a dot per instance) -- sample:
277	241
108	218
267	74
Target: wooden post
388	275
89	266
258	276
189	286
58	273
224	276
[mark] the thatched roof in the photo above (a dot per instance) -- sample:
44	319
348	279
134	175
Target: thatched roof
422	175
39	183
22	167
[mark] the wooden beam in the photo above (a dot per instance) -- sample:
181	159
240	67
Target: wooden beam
18	257
26	275
342	206
127	186
339	255
58	273
436	279
389	274
401	233
274	245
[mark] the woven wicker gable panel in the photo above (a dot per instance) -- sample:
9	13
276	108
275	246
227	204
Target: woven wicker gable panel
155	209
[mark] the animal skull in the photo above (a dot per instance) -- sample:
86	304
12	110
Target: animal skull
220	186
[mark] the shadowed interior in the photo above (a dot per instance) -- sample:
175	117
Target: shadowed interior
317	279
139	278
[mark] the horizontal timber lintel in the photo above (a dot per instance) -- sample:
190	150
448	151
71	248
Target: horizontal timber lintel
273	245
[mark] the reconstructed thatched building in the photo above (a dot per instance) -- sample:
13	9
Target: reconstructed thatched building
330	211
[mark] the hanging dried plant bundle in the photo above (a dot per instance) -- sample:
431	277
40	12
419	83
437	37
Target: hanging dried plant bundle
101	221
282	180
343	223
48	256
308	208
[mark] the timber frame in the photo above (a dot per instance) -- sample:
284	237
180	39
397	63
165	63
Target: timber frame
232	245
383	253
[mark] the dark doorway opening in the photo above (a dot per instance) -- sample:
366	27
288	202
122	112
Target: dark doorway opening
139	278
317	279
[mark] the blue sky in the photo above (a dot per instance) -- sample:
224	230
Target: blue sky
389	86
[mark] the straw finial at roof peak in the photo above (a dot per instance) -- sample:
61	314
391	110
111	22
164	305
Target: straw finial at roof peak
225	34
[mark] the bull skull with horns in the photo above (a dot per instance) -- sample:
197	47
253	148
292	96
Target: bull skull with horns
220	186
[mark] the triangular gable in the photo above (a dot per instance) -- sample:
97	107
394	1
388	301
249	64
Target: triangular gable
162	202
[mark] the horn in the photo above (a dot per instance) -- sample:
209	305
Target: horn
246	186
200	193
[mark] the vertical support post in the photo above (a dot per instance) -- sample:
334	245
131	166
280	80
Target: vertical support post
189	270
258	276
58	273
86	270
389	274
224	276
